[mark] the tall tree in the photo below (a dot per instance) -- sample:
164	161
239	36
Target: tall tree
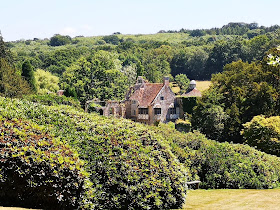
28	74
4	51
11	84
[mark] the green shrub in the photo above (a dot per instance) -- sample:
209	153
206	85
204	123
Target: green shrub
131	167
53	99
223	165
38	171
263	133
183	125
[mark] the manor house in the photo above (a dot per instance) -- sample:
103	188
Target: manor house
151	102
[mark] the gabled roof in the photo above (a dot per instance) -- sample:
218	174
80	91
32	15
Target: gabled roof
192	93
146	93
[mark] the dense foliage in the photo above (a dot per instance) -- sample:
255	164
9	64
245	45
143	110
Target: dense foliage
37	170
263	133
99	77
130	166
238	94
137	166
53	99
28	74
195	53
11	83
46	82
223	165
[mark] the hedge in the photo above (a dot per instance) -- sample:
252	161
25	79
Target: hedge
39	171
223	165
131	167
263	133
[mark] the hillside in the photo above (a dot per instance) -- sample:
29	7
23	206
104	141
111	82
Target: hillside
133	165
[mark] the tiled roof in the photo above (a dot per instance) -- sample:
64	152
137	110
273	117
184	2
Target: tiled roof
192	93
146	94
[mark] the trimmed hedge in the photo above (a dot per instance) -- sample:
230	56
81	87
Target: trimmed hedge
38	171
134	166
53	99
223	165
263	133
131	167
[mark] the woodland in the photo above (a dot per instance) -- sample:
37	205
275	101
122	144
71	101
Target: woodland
53	155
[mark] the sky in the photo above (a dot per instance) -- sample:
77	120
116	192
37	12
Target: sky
28	19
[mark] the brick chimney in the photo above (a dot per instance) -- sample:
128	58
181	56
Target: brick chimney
166	81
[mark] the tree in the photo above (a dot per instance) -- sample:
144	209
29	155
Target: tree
28	74
131	74
46	82
197	32
183	82
244	90
263	133
11	83
96	77
156	63
209	115
59	40
4	51
112	39
224	52
190	61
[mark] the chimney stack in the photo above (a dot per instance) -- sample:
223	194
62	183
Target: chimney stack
166	81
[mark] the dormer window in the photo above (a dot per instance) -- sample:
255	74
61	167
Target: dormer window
134	101
162	98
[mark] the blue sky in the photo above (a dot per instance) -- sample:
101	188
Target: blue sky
27	19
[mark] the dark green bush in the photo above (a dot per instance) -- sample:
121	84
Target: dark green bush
38	171
263	133
131	167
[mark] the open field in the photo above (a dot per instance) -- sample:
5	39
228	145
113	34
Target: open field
202	85
233	199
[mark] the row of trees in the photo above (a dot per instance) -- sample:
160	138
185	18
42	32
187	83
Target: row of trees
19	80
242	91
198	58
234	28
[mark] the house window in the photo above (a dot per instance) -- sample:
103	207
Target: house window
133	101
157	111
172	110
134	112
162	98
142	111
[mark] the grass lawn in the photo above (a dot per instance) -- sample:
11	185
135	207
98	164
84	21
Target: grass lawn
202	85
233	199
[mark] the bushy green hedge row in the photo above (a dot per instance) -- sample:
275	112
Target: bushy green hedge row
131	167
223	165
53	99
263	133
38	171
134	166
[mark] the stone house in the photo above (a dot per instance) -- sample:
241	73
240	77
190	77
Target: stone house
151	102
107	108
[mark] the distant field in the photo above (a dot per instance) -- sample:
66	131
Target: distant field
203	85
200	85
233	199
